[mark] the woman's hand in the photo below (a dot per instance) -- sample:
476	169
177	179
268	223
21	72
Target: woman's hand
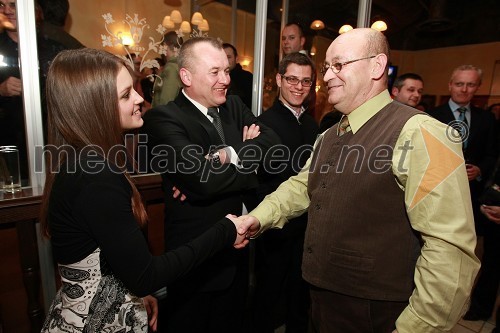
151	305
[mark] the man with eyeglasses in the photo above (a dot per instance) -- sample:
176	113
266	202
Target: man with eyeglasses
480	148
12	126
279	252
390	239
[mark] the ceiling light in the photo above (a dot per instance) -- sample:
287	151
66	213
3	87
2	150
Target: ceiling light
345	28
379	25
317	25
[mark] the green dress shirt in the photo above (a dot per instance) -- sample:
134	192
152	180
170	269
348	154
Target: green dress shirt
428	166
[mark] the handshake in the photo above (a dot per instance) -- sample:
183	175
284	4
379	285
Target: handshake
246	227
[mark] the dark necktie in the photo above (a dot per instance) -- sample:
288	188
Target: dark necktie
461	115
212	112
464	125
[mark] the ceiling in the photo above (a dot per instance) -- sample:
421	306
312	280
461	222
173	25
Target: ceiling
413	24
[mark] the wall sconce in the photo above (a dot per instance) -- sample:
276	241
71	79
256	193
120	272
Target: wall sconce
379	25
203	26
167	23
175	16
345	28
317	25
245	60
125	39
197	18
130	39
185	27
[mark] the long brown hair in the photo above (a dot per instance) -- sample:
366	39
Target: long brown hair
83	111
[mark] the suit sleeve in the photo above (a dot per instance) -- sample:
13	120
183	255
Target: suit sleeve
173	151
251	152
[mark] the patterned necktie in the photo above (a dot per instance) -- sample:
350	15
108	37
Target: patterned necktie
344	126
464	125
212	112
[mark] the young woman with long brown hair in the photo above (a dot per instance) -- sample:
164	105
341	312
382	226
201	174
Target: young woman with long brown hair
91	209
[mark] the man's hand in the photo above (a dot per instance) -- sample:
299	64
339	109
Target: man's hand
178	194
473	171
249	225
250	132
241	239
11	87
151	305
492	213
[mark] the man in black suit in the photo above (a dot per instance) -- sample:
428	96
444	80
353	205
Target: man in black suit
282	296
477	130
205	174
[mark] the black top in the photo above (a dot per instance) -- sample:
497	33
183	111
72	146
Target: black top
297	135
89	209
241	84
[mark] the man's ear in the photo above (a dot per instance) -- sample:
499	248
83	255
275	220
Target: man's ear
379	65
278	80
185	76
394	91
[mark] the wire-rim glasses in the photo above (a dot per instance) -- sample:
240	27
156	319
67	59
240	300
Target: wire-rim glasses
337	66
307	82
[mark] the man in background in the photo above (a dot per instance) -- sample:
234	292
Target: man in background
241	80
292	39
281	293
407	89
477	129
12	125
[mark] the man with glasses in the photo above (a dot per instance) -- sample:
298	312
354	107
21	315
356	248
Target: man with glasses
389	243
281	293
12	126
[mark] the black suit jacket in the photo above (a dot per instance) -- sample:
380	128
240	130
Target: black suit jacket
481	150
183	136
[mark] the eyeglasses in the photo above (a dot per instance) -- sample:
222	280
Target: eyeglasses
337	67
12	6
307	82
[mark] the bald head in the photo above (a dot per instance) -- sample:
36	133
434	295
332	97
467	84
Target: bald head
357	64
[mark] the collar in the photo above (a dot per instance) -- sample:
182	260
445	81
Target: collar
200	107
295	113
454	106
359	116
